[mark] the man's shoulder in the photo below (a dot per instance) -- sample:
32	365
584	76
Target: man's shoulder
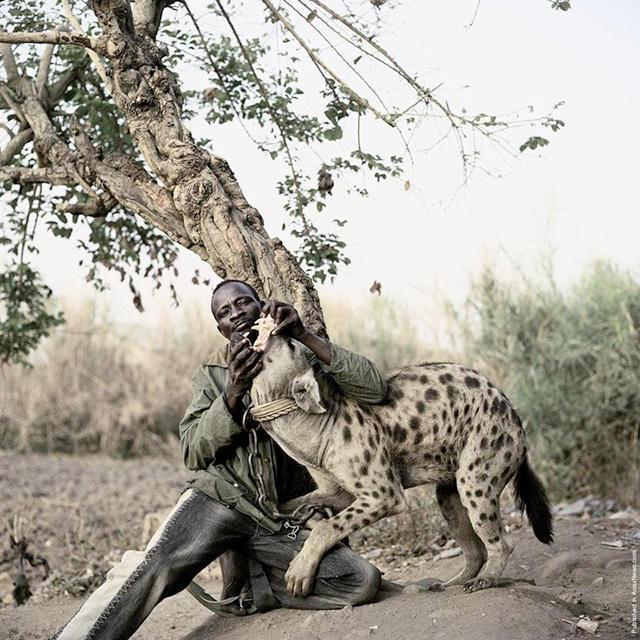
218	358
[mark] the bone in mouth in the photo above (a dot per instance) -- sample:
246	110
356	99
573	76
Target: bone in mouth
264	327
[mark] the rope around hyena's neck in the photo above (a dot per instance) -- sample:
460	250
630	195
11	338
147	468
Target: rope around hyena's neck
273	409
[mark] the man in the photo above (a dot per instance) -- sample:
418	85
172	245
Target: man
227	506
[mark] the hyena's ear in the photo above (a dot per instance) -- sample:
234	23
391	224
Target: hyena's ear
306	393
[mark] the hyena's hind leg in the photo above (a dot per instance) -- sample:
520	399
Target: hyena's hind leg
455	514
481	499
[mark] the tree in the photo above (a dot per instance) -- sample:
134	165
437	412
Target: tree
95	118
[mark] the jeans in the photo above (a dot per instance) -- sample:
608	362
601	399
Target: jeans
195	533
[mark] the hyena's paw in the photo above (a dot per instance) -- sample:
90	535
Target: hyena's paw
300	576
478	584
488	582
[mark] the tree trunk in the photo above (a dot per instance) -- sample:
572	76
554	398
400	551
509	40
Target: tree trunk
200	193
185	191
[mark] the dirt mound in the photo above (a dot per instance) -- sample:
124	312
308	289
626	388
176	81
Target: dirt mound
577	578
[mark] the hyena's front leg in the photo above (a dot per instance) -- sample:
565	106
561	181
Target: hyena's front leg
365	510
337	500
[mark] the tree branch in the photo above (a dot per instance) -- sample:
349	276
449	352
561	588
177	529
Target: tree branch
15	145
7	95
147	16
136	191
93	208
215	68
338	53
114	15
95	58
265	96
9	62
60	86
57	176
7	129
51	37
312	54
43	69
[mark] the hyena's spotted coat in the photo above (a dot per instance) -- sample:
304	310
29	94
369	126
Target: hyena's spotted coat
441	423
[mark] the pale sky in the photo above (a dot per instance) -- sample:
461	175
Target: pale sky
579	195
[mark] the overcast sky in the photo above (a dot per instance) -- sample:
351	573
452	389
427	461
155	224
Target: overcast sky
578	196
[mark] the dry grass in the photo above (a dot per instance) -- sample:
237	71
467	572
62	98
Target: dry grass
96	387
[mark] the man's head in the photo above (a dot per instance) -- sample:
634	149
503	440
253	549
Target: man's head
236	306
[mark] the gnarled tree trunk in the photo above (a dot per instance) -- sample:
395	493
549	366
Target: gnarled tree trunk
190	194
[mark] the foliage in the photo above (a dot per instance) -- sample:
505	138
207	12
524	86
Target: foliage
26	320
570	361
308	105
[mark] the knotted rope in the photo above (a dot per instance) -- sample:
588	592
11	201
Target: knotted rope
274	409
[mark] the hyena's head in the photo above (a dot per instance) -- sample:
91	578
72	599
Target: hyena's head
286	371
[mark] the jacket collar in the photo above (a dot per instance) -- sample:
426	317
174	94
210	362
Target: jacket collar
218	358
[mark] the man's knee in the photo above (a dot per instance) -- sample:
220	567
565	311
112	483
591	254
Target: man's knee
368	583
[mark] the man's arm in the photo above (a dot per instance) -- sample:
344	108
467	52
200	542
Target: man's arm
208	428
212	422
357	376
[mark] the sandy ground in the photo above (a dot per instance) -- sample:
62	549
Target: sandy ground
577	576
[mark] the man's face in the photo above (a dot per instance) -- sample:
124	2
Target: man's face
235	308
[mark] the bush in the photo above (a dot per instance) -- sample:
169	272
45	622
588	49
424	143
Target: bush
570	362
94	387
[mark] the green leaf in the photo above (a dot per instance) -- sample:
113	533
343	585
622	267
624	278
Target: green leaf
533	143
334	133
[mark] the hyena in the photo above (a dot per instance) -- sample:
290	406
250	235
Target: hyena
440	423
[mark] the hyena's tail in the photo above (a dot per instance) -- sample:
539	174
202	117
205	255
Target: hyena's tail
530	495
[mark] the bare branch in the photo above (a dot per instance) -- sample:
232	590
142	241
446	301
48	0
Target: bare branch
43	69
265	96
95	58
50	37
318	61
60	86
15	145
93	208
47	175
215	67
339	54
9	62
7	95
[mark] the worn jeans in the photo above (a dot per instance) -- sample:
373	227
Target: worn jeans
195	533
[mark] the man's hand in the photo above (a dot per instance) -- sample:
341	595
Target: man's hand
244	365
288	321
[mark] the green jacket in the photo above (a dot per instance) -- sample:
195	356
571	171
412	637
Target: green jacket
215	446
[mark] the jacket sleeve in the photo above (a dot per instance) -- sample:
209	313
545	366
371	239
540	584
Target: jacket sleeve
207	428
358	377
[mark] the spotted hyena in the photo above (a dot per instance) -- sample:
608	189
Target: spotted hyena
440	423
